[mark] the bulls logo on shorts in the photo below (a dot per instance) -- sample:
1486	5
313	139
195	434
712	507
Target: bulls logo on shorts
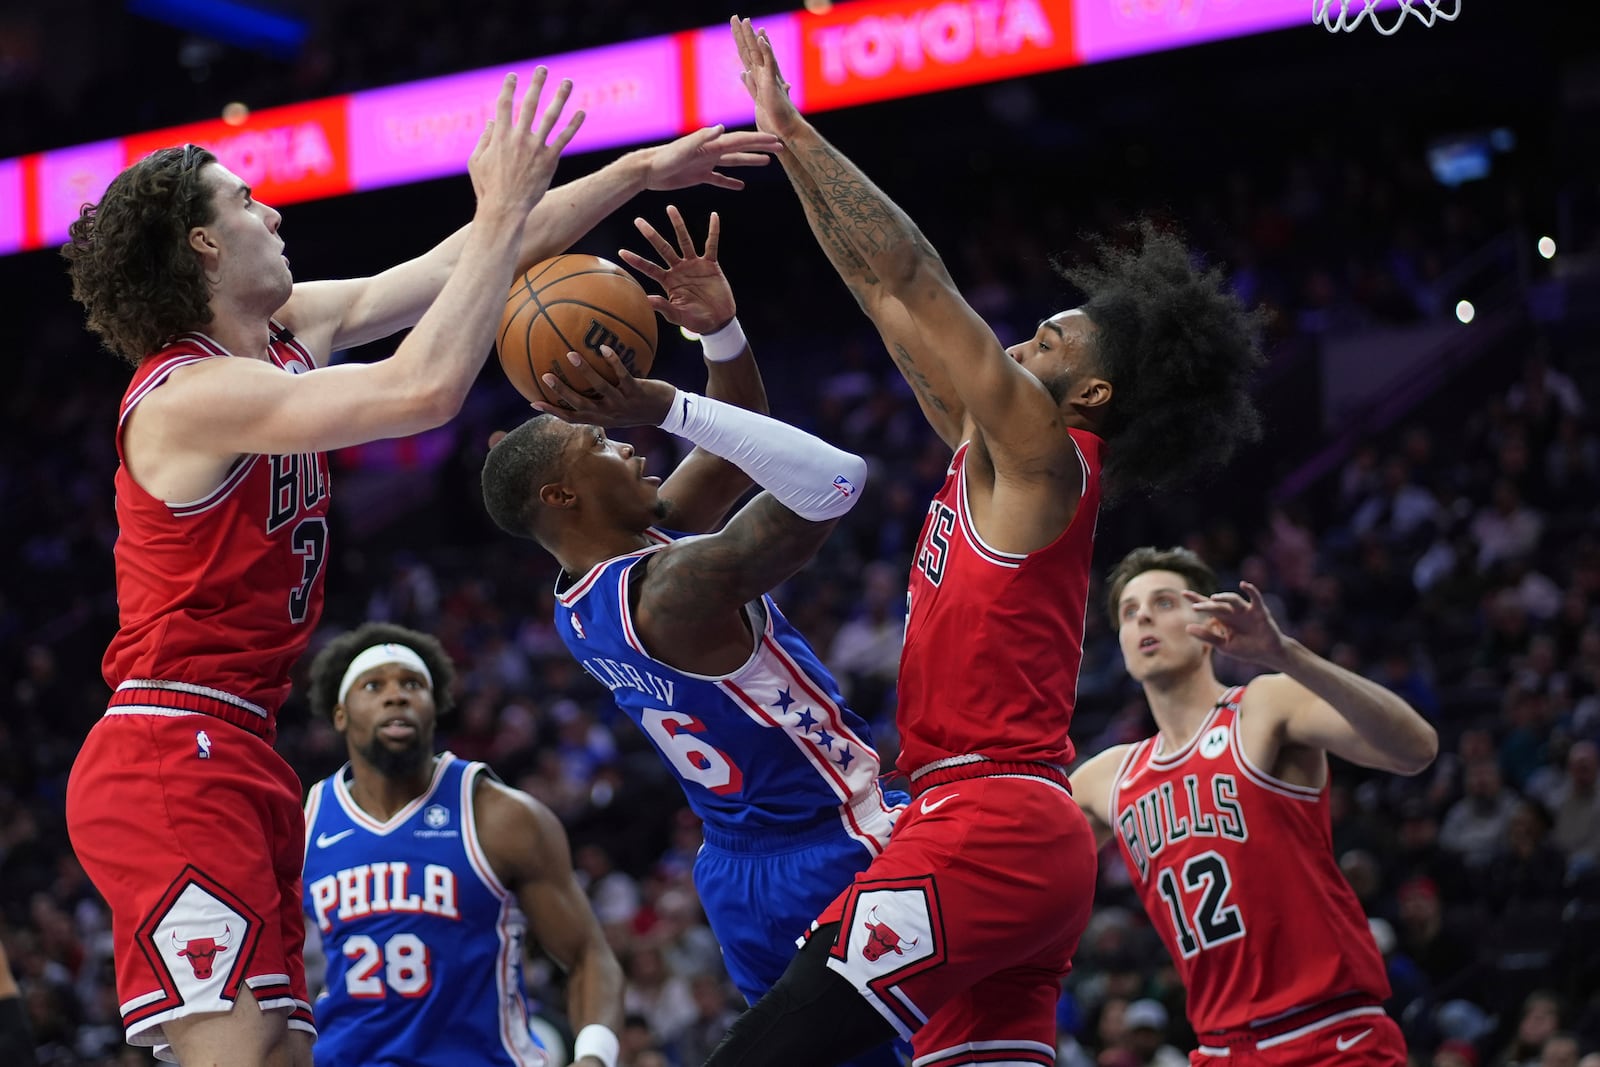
199	936
891	930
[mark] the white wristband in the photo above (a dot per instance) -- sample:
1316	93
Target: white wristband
597	1041
724	344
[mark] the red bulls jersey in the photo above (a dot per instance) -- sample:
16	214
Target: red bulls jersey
994	639
217	597
1237	873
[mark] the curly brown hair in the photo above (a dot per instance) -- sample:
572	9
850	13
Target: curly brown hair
129	257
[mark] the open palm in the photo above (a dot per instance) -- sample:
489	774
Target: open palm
695	293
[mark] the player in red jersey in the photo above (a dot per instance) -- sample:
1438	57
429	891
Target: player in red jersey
959	932
186	820
1222	818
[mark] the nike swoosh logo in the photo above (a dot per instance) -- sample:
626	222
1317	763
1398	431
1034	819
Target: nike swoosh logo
928	808
324	840
1351	1042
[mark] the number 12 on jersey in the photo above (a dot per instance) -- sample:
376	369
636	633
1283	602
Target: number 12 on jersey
1215	920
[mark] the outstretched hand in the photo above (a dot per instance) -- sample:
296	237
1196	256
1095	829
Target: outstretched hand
775	112
1249	632
698	296
630	402
693	159
513	163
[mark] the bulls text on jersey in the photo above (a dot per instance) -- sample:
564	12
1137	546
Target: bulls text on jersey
297	485
381	888
1162	817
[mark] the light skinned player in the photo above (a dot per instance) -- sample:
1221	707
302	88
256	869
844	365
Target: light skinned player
222	508
1222	818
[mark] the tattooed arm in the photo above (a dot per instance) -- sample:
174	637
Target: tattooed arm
948	353
935	394
688	606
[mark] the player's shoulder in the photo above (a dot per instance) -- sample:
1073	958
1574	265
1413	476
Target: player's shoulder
1093	778
1270	698
499	808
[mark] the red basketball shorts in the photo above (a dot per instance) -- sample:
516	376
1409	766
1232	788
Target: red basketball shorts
960	931
192	831
1357	1037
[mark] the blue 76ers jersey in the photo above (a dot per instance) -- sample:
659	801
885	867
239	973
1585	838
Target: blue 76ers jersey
424	943
769	747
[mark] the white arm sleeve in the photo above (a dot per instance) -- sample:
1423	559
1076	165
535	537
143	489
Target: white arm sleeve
807	475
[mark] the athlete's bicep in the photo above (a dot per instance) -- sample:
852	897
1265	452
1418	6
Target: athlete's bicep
762	546
1091	788
250	407
528	847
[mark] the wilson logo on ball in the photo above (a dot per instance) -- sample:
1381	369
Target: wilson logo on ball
598	335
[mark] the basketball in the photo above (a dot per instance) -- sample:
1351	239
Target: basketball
573	303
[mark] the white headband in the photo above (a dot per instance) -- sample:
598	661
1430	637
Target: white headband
379	656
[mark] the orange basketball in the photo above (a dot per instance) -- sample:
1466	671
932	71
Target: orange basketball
573	303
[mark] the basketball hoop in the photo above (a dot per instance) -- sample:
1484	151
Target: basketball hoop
1346	15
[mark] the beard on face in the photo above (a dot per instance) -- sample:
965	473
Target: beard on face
395	762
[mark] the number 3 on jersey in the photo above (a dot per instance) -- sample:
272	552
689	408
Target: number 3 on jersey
1215	920
676	735
309	541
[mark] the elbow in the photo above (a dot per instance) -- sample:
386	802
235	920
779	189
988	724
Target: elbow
913	267
1420	753
438	403
851	481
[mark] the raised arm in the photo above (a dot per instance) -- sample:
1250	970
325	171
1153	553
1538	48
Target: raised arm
1312	703
225	407
696	295
528	849
332	315
935	393
942	346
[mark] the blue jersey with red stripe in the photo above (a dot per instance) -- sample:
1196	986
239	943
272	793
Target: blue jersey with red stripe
769	747
424	943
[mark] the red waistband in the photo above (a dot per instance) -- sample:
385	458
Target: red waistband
183	696
936	774
1285	1027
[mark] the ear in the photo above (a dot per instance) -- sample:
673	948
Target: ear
341	718
556	495
201	241
1092	393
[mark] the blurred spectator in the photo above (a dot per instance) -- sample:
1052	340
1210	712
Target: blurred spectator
1475	824
1540	1021
1145	1023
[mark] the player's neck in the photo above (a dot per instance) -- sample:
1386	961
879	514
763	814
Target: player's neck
579	552
242	333
1181	703
381	796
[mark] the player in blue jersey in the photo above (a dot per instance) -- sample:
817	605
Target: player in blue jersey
681	629
424	875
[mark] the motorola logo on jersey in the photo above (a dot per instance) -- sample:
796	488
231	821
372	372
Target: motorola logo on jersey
1215	743
1163	817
